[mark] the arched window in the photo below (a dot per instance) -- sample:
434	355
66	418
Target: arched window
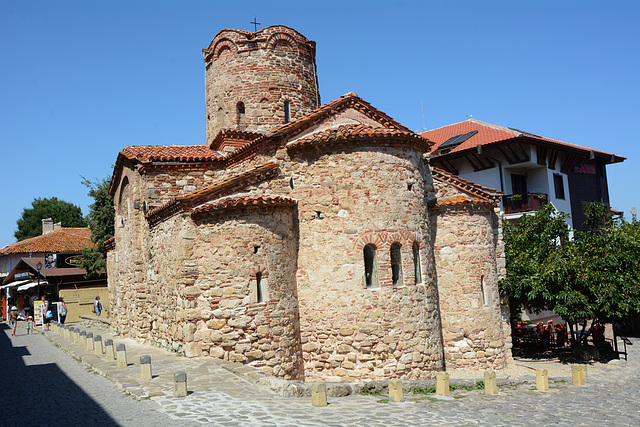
396	264
417	270
287	115
370	266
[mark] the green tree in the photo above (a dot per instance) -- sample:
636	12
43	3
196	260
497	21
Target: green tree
30	223
100	219
594	277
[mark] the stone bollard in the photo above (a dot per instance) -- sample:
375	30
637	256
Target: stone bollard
90	341
66	332
121	356
76	335
318	394
180	384
83	339
97	345
490	384
109	353
145	368
442	384
542	380
395	390
584	372
577	375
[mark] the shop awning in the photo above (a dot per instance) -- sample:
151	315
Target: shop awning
29	286
16	283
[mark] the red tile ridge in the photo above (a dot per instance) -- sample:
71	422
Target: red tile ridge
245	201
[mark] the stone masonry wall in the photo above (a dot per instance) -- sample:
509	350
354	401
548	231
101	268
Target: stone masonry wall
466	242
205	272
347	199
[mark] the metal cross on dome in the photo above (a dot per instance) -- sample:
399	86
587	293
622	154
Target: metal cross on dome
255	24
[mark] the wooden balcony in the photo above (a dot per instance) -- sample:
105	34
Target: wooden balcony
530	202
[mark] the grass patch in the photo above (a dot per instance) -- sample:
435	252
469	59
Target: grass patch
370	392
428	390
382	401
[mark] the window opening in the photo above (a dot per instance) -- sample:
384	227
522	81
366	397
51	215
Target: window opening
287	116
396	264
259	296
370	266
240	114
558	184
417	270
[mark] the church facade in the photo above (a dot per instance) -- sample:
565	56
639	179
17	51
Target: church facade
313	241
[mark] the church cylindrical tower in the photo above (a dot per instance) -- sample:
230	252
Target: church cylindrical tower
257	81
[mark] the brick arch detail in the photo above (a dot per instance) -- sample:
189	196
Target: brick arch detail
281	37
259	268
222	45
383	240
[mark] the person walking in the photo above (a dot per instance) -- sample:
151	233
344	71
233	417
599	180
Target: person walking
13	318
63	311
97	306
47	315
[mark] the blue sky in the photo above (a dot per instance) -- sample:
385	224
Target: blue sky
82	79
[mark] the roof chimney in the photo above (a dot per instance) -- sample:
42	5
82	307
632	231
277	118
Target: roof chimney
57	226
47	225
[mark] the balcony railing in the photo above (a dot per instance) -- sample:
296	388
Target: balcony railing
532	201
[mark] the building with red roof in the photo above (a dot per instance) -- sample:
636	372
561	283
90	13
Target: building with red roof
46	264
529	169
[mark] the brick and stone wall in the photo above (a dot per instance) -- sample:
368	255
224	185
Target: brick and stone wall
261	70
469	259
349	198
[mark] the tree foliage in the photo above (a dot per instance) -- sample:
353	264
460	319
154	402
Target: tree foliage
595	276
101	222
30	223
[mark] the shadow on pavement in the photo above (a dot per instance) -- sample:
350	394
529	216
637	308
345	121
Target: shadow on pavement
41	393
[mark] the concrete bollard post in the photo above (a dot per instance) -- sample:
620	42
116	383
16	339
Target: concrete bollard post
442	384
121	356
83	339
109	352
542	380
577	375
145	368
395	390
76	335
97	345
318	394
180	384
490	384
66	332
90	341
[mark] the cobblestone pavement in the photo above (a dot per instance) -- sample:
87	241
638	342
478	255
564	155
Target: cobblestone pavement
218	396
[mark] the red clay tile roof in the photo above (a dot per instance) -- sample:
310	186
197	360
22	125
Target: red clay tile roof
245	201
485	193
489	134
462	200
64	239
172	153
357	132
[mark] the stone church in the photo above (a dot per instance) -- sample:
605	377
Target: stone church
313	241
